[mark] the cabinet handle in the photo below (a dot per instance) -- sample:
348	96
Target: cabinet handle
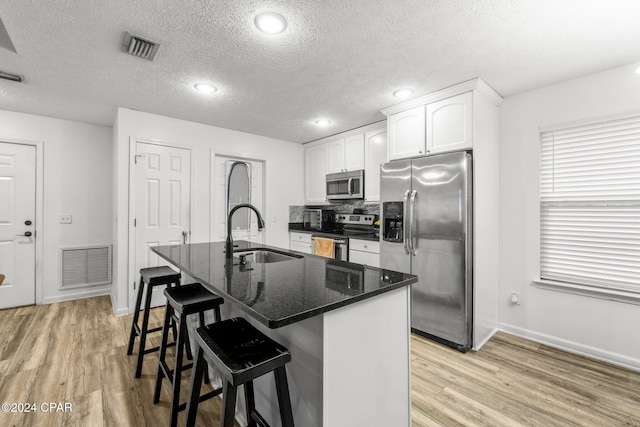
419	151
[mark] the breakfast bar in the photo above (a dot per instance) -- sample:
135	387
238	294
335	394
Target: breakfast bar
346	325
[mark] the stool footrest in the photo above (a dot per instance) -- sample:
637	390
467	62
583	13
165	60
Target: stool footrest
138	332
255	416
206	396
151	350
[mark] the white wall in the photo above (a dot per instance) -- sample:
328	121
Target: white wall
283	160
600	328
77	181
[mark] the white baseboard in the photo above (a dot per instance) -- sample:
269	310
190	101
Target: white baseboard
123	311
77	295
573	347
478	346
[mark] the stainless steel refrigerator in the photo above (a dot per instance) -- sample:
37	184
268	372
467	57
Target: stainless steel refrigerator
427	231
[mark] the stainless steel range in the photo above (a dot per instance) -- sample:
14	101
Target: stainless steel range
346	225
356	224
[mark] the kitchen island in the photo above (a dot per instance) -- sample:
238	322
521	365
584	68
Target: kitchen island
347	327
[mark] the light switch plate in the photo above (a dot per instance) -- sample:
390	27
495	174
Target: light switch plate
65	219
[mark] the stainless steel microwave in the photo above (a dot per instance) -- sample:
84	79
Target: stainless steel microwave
345	185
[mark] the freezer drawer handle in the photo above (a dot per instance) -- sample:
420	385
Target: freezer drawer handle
412	213
405	215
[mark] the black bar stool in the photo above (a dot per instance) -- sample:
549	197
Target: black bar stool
149	278
181	302
241	353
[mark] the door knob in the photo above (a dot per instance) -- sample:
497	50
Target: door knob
27	222
26	234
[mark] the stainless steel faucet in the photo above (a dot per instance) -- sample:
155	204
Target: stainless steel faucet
229	244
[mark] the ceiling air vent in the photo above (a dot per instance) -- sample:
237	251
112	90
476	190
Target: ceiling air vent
140	47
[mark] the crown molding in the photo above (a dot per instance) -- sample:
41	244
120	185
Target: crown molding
476	84
382	124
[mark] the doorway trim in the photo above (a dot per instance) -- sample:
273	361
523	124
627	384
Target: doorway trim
39	145
132	275
212	207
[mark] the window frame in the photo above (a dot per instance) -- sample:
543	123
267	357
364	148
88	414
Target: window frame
625	292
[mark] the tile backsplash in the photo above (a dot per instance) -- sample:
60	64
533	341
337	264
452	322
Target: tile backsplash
296	212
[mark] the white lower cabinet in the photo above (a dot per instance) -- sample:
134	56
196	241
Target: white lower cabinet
300	242
365	252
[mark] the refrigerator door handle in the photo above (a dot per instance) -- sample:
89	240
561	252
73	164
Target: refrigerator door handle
405	239
412	215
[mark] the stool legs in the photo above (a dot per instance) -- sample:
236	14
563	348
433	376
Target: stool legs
182	348
250	403
284	402
143	335
163	352
177	371
136	315
229	405
194	390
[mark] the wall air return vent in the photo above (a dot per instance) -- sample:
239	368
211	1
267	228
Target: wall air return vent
139	46
85	266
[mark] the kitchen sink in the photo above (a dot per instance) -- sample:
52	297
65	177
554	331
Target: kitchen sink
263	256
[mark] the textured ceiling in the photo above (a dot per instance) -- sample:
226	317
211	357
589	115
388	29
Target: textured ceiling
338	59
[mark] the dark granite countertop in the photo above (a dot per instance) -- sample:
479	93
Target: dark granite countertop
281	293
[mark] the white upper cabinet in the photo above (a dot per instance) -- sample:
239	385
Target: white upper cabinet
354	152
336	156
315	171
346	154
407	133
375	154
449	124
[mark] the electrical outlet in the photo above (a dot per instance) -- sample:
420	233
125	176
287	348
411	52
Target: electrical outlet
515	298
64	219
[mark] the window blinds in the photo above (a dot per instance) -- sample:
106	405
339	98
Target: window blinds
590	204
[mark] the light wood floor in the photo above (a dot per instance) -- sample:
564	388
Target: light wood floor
76	352
512	381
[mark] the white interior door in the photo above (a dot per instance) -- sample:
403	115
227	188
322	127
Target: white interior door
17	224
162	204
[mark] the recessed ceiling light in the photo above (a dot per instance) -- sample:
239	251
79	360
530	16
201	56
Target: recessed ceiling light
270	22
402	93
205	88
322	122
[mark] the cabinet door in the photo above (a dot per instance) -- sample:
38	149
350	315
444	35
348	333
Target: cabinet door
450	124
315	171
300	246
354	152
364	258
375	154
336	156
407	133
